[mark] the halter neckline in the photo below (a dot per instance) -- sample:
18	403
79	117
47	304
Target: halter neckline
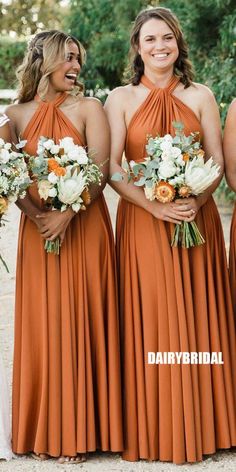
169	88
56	102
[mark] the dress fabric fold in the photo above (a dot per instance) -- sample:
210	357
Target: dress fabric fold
66	382
173	300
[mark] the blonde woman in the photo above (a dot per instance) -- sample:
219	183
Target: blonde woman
5	431
66	385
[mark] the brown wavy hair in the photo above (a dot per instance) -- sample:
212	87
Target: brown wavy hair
182	67
46	51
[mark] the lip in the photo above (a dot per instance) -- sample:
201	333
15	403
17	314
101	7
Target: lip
71	77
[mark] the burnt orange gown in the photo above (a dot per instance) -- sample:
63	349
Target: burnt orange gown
173	300
232	260
66	386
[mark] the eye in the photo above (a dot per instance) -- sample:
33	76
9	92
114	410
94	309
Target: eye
149	39
168	38
69	57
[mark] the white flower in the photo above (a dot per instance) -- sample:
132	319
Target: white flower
132	164
2	142
52	192
48	144
175	152
150	193
7	146
40	148
166	146
78	154
177	180
55	149
71	187
53	178
76	206
167	169
168	137
199	175
167	156
43	188
4	156
67	144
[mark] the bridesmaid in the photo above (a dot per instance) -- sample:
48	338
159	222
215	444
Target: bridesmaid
66	384
5	430
171	299
230	171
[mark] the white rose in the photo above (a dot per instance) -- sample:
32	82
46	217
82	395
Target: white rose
43	188
55	149
67	144
4	156
48	144
52	192
166	146
2	142
176	152
167	156
166	169
83	158
7	146
168	137
53	178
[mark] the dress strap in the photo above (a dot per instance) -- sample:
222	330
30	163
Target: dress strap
3	120
170	87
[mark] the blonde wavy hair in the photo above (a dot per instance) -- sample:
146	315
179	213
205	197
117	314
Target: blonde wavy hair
45	53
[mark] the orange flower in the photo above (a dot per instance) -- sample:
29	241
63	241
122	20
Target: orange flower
59	171
184	191
164	192
186	157
52	165
3	205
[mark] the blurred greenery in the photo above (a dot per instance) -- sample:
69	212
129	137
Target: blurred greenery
103	26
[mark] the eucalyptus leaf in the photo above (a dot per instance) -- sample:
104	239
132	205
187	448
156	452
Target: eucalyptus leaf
117	177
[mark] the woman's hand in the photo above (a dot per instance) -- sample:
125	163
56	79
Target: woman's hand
53	224
187	208
180	210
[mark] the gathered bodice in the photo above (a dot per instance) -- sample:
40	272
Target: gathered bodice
155	116
51	122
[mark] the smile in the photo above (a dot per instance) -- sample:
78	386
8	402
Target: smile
71	76
160	56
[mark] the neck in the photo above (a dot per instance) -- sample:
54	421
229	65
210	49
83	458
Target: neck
51	95
159	78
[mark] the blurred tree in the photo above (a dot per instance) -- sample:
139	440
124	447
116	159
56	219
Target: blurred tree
103	28
27	17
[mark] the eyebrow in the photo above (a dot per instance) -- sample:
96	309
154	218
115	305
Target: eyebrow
68	53
153	35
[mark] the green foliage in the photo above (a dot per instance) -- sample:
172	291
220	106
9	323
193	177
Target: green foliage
11	55
103	28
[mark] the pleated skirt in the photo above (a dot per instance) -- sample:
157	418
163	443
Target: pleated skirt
175	300
66	383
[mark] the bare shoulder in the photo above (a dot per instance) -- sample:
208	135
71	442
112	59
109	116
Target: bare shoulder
120	95
232	110
90	103
202	91
15	110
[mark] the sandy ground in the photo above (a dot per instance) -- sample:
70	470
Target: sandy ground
222	461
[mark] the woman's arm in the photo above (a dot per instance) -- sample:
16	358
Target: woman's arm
212	145
230	146
114	108
97	135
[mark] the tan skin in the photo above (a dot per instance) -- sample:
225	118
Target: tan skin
88	116
159	51
5	132
230	146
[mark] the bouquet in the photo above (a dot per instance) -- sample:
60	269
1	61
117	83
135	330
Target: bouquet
14	177
174	168
63	173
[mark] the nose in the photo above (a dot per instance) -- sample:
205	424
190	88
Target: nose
159	44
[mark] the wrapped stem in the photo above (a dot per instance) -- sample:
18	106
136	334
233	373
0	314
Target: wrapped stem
187	235
52	247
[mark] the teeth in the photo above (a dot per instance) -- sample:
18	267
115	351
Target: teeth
71	76
160	55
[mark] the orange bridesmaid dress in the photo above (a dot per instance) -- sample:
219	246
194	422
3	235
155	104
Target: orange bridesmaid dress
66	385
232	260
173	300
